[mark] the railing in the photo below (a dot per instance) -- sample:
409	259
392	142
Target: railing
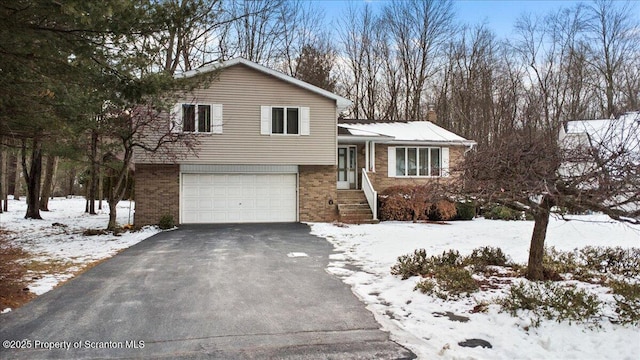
370	194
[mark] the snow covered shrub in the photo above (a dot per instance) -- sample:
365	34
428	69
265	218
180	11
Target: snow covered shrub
627	297
166	222
465	211
560	262
486	256
411	265
453	282
418	264
442	210
613	260
552	301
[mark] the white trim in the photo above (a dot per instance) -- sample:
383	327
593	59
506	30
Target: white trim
444	162
216	118
391	162
265	120
342	103
444	158
304	118
238	169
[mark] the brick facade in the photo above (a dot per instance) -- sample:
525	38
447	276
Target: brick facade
380	178
317	187
157	191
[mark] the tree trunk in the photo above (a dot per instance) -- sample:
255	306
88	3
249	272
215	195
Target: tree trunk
93	185
16	182
100	188
3	176
112	213
535	270
33	176
47	186
71	182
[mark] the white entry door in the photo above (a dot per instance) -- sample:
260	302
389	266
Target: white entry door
347	167
238	198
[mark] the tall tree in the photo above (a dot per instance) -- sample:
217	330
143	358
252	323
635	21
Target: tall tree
615	40
315	65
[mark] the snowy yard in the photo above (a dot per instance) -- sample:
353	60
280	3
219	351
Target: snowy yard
363	258
365	254
57	243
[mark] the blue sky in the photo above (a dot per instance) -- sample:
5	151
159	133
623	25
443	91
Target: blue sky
499	15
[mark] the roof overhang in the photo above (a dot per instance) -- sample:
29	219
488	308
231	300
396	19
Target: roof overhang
341	103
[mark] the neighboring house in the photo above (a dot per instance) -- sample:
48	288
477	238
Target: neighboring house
609	136
271	150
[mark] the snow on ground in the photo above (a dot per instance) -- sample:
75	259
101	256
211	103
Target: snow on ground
58	240
365	254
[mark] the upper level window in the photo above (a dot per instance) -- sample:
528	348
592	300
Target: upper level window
418	161
283	120
199	118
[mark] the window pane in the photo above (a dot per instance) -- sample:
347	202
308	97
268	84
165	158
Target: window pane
413	161
204	118
292	120
342	164
277	121
423	168
400	162
188	117
435	162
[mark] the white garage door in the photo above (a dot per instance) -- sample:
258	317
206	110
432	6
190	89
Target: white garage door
235	198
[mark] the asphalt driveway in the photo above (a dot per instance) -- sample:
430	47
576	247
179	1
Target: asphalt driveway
223	292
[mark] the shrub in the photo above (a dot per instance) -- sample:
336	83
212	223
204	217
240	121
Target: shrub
411	265
404	203
627	297
448	282
414	202
166	222
500	212
418	264
486	256
613	260
465	211
442	210
551	301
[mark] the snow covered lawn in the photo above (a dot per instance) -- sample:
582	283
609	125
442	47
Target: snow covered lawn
57	244
365	254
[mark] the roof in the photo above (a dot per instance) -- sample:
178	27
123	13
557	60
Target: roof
341	102
625	128
406	132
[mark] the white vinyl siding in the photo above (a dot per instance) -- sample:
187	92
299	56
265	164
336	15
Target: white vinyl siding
246	139
418	161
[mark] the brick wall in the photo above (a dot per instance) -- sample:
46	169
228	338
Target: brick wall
157	192
317	185
381	180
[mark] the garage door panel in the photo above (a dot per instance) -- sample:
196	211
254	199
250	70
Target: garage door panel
220	198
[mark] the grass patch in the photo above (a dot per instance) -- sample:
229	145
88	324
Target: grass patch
13	287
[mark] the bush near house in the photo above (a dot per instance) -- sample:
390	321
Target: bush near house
413	203
500	212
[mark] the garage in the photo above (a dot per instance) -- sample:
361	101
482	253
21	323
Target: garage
238	198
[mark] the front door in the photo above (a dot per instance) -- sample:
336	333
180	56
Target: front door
347	167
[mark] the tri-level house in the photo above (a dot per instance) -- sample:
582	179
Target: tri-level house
271	149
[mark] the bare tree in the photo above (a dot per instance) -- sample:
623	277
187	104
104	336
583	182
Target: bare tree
532	171
362	45
418	32
614	39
